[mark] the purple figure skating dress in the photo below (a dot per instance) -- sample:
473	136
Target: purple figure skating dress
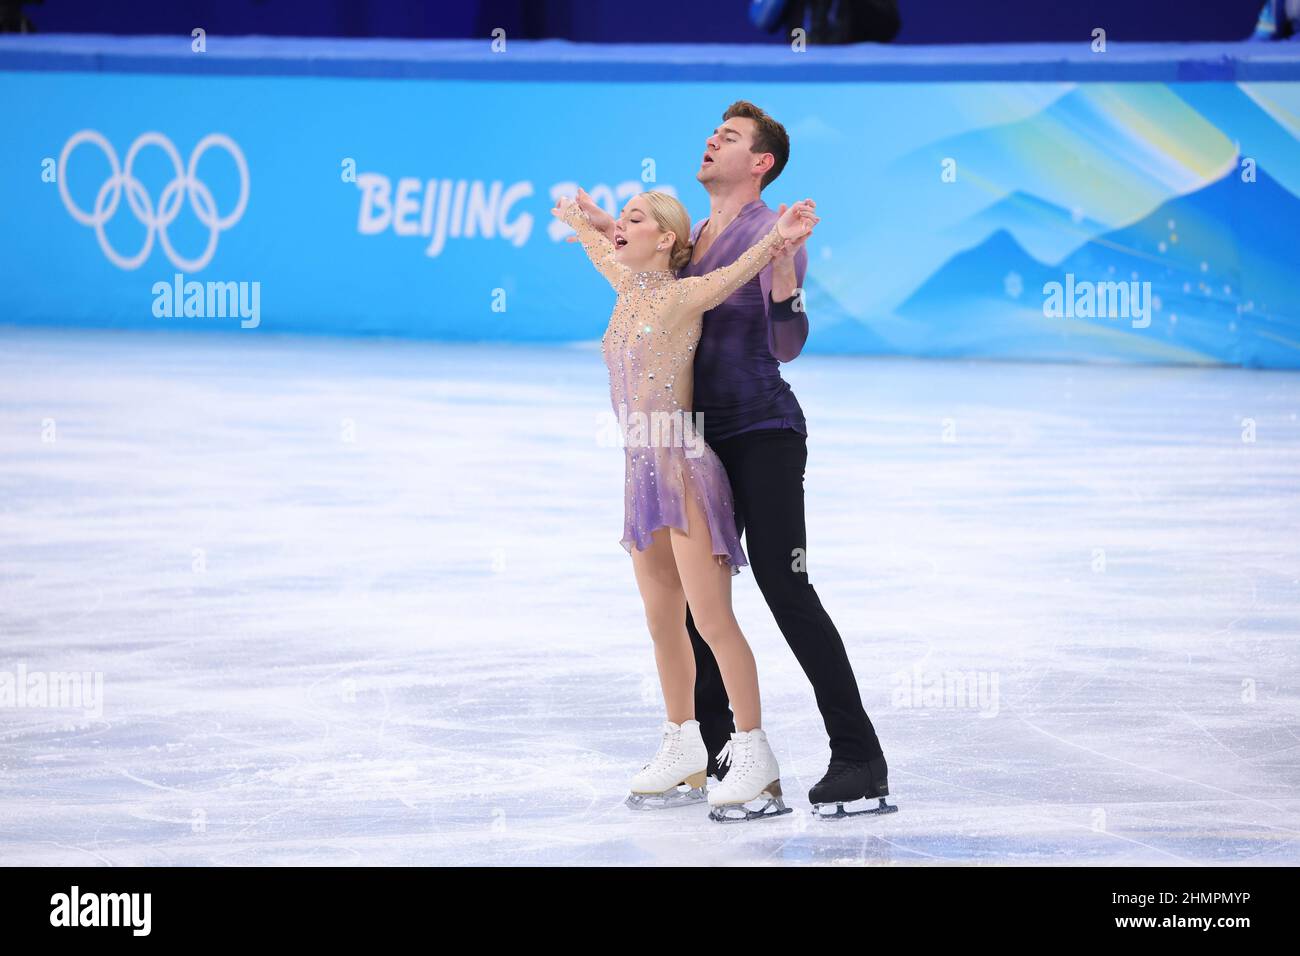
649	348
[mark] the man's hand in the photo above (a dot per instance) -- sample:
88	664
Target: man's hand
602	220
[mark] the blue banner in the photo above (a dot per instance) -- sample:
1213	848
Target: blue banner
1147	222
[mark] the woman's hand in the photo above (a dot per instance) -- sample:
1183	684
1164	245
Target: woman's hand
595	213
788	247
562	204
597	216
796	222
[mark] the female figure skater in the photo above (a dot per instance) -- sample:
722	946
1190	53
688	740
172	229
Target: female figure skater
677	499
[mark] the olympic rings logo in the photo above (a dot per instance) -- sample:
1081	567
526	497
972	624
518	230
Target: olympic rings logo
186	184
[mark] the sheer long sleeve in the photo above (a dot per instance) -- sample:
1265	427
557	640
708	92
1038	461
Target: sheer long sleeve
709	290
599	249
787	330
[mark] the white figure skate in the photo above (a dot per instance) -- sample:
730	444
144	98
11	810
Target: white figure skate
676	775
751	789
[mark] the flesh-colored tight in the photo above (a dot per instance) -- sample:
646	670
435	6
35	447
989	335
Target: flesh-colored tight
680	567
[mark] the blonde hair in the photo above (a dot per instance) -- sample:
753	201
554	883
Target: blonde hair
672	217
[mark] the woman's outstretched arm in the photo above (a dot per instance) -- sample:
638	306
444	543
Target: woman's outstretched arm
702	293
599	249
710	290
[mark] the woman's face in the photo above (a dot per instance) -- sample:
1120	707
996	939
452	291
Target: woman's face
637	237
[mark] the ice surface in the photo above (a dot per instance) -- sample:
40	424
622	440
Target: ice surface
363	601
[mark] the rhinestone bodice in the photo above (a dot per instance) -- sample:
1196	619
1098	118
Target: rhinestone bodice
649	349
650	340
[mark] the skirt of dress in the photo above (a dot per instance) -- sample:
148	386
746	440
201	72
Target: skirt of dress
658	478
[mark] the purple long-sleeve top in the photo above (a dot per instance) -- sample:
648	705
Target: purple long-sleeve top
738	383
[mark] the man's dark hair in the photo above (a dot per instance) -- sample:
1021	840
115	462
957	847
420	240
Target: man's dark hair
769	137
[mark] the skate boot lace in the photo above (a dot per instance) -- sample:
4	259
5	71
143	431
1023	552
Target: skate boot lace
665	752
839	767
726	753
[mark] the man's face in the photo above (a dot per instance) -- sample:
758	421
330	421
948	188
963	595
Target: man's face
727	153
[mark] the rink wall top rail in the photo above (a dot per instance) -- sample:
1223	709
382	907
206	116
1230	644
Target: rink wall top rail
564	61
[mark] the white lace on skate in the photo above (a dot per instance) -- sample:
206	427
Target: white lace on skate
754	775
668	754
676	775
727	751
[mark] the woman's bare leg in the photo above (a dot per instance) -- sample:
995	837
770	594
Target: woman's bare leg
707	585
665	614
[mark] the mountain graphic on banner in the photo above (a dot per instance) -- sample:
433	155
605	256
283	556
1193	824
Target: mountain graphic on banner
1212	258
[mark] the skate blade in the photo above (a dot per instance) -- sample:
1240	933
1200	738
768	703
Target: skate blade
861	808
666	800
772	806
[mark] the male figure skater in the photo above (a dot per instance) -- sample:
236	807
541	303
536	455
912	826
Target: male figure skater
753	422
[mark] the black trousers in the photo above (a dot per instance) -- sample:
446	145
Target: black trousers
766	469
